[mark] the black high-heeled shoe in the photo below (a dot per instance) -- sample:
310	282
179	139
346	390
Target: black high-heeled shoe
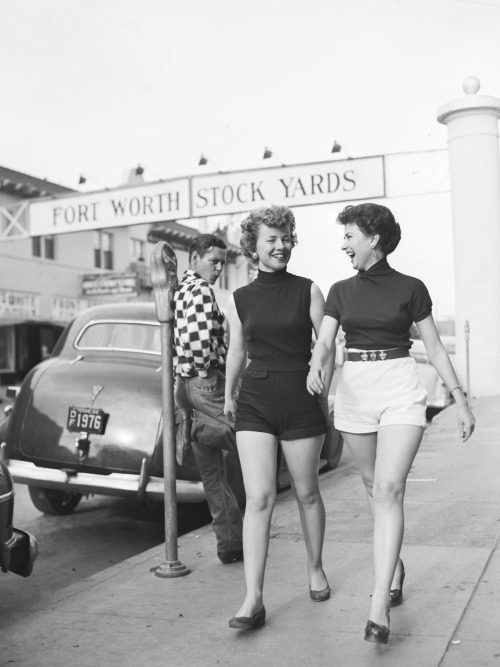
396	594
376	633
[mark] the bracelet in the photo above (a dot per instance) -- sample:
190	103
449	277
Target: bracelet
459	386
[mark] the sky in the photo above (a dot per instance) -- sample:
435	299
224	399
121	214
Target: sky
96	87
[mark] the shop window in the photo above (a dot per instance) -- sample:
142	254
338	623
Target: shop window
103	250
97	249
36	246
136	249
50	249
43	246
7	363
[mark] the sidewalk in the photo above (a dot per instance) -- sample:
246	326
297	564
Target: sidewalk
450	616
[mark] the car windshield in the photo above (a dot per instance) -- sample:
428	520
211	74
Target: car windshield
120	335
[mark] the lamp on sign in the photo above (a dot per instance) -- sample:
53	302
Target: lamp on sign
337	148
269	153
205	160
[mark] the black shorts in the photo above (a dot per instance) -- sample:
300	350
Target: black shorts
278	402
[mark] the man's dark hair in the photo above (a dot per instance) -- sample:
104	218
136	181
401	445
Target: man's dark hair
203	243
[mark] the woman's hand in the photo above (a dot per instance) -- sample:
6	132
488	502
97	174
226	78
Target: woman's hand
230	408
315	382
466	421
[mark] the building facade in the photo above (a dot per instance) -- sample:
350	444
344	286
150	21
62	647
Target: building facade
46	280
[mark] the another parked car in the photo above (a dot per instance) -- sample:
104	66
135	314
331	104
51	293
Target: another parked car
18	549
88	420
438	396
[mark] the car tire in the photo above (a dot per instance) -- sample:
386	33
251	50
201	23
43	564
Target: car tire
54	502
332	448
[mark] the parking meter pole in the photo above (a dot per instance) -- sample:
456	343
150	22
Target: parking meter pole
164	281
467	363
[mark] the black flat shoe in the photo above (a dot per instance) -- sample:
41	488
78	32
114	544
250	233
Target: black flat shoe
396	594
249	622
376	633
320	596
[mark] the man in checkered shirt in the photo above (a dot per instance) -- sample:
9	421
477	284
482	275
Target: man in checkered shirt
199	362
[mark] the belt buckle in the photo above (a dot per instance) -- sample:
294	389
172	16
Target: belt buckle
382	355
373	355
364	356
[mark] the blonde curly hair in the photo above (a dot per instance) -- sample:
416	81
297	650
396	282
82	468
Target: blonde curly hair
271	216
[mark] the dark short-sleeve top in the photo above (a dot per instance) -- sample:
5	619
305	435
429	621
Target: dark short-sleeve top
377	307
274	310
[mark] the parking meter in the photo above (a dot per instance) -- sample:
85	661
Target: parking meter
164	282
163	279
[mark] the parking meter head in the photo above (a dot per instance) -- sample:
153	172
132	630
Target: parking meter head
163	279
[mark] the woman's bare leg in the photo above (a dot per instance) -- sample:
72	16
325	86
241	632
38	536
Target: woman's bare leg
302	457
363	447
258	454
397	446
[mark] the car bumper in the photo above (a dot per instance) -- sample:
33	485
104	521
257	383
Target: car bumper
115	484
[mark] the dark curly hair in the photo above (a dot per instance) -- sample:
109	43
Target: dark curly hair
374	219
272	216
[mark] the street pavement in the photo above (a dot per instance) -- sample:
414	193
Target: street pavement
125	615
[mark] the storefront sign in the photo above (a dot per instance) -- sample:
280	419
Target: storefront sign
105	284
155	202
301	185
65	308
19	304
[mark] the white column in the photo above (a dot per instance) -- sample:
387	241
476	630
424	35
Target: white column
472	122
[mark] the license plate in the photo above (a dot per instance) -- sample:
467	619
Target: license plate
90	420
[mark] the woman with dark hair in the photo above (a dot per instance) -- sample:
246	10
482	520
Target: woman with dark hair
272	319
380	400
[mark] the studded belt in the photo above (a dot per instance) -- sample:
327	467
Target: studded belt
378	355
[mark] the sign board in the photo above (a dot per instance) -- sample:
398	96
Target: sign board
14	303
65	308
155	202
301	185
105	284
215	194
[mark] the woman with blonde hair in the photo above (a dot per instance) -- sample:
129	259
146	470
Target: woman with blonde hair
272	320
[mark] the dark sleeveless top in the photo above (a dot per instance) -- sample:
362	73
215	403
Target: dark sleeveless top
274	312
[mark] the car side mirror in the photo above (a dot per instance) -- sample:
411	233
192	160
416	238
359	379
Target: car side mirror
163	279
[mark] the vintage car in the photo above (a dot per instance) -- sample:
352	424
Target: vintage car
18	549
88	420
438	396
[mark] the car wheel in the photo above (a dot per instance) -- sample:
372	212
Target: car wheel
332	448
53	502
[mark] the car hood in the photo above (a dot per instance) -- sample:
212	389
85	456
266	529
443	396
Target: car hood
129	392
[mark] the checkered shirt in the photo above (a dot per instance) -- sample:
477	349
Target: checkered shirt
199	332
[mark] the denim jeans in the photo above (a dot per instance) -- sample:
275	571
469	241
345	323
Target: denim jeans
211	434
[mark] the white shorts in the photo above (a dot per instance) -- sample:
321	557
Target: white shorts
371	394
